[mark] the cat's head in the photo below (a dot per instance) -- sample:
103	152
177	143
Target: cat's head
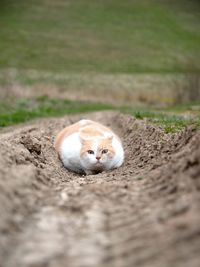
97	154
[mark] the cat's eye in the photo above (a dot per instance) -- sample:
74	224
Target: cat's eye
104	151
90	152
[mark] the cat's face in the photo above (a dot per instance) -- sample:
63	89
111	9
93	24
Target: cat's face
97	154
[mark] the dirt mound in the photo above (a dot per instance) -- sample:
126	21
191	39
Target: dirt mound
145	213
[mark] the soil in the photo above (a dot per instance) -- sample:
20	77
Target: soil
146	213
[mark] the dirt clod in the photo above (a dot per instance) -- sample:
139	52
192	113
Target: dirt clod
146	213
31	143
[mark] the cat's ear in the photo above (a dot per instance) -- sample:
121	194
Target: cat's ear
110	138
81	139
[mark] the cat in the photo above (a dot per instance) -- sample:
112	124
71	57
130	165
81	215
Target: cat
88	147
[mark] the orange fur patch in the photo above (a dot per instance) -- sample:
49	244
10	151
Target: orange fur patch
103	144
86	145
88	129
107	144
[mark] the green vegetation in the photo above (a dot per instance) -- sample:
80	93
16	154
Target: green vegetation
27	109
170	123
107	36
113	51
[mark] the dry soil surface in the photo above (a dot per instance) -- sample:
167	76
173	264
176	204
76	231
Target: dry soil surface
146	213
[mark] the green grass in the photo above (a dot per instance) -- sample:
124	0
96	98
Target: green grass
118	51
170	123
107	36
121	50
24	110
27	109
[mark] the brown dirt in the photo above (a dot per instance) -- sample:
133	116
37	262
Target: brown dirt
146	213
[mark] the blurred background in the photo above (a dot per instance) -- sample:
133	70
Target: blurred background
62	56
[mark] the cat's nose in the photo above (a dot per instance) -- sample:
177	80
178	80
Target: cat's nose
98	158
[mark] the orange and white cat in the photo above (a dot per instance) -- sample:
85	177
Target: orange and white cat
89	147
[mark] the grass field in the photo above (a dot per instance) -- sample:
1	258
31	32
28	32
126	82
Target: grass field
108	36
119	52
23	110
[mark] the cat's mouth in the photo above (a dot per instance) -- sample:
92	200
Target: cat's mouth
98	163
98	166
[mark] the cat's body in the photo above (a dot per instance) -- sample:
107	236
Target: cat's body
89	147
